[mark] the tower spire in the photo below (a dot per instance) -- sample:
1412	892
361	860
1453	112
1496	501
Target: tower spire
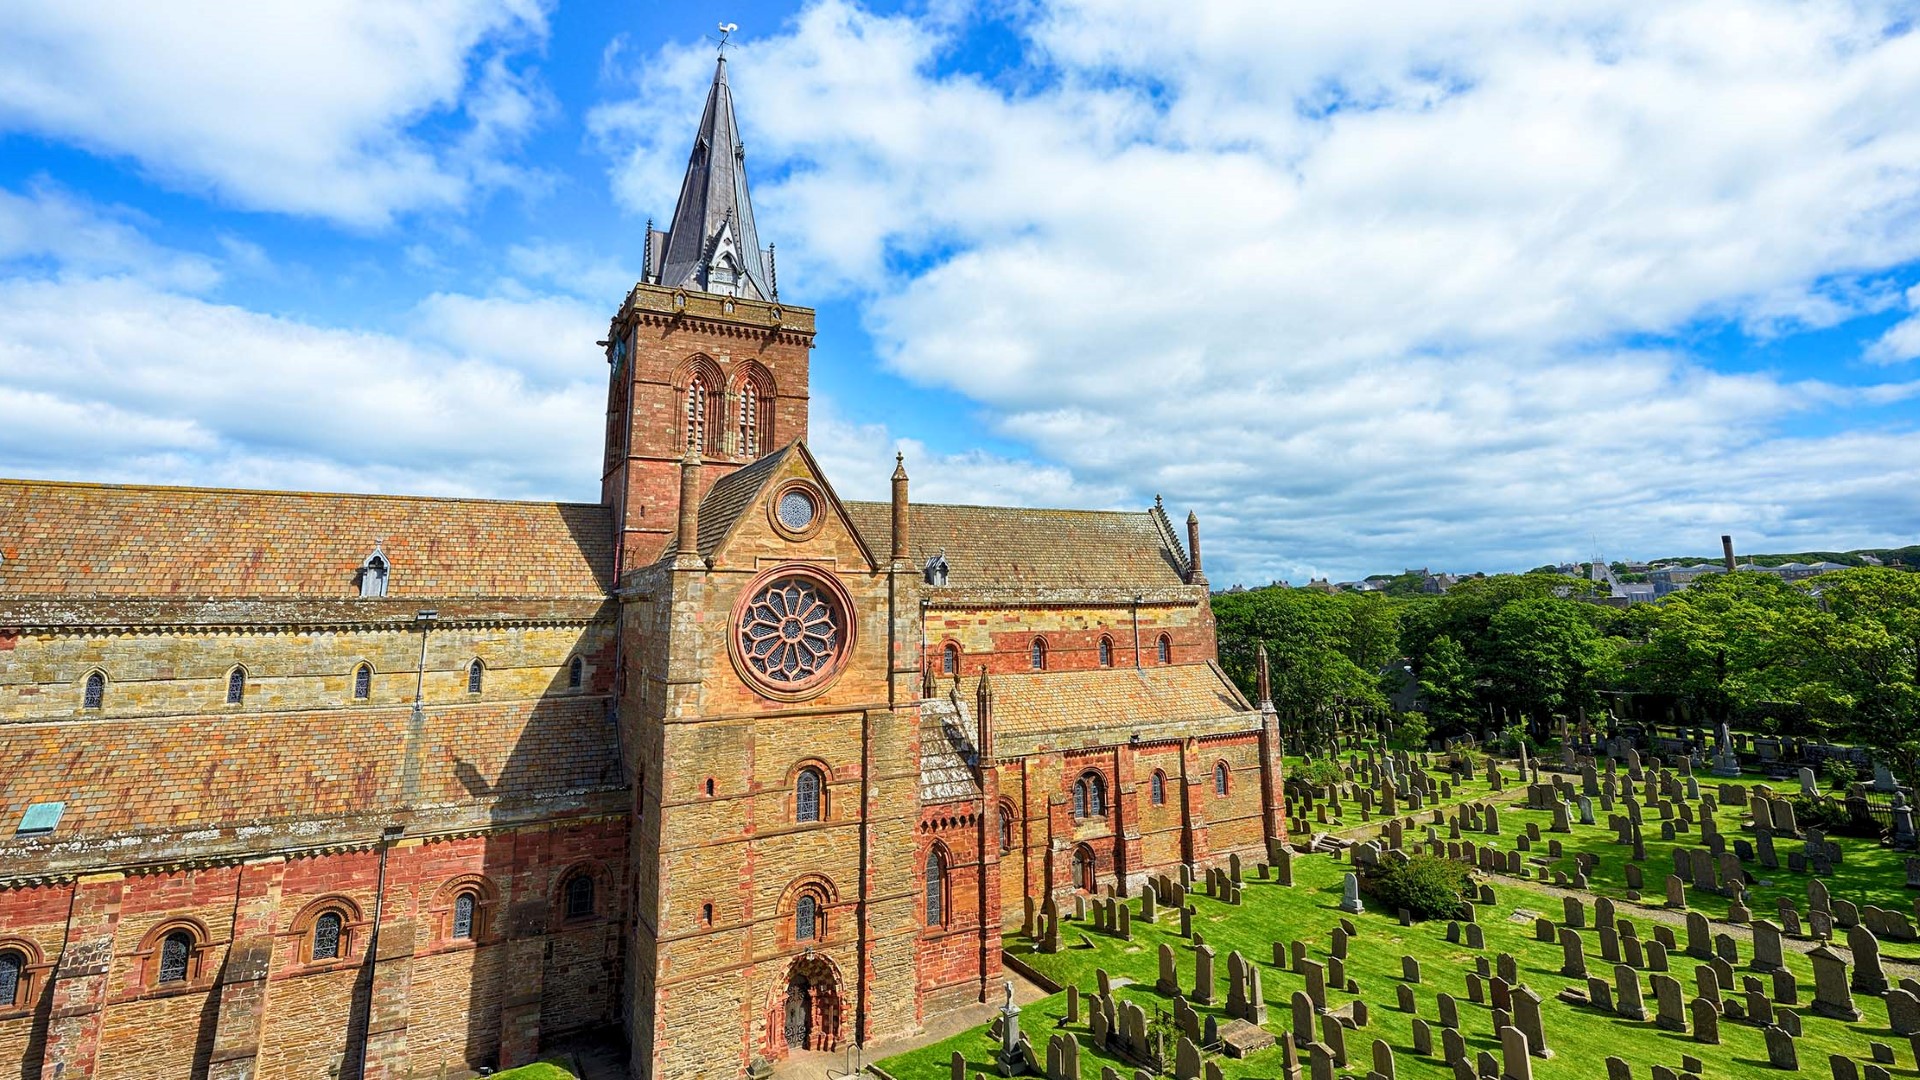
711	244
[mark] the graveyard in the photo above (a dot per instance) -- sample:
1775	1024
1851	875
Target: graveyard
1629	920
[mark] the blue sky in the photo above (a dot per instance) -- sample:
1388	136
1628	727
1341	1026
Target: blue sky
1468	286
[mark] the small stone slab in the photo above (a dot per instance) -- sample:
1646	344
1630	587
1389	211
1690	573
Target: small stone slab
1240	1038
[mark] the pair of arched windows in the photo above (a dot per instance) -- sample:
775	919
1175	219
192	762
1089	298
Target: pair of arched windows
752	419
1090	796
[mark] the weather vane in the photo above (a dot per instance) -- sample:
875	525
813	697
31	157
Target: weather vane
726	31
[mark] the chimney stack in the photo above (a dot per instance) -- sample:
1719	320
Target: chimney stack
1726	550
900	545
687	542
1196	576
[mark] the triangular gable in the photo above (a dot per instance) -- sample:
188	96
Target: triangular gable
741	496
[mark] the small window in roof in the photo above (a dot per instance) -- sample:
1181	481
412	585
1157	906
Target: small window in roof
373	573
936	570
40	819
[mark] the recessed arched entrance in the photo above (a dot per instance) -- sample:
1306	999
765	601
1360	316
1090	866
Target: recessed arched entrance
806	1009
1085	872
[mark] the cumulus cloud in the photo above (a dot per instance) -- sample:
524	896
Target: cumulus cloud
349	110
1902	340
1368	287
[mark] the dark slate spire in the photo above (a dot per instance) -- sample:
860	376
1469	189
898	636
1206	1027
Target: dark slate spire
712	245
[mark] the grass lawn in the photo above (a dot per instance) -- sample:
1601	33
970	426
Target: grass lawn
1465	791
539	1070
1580	1038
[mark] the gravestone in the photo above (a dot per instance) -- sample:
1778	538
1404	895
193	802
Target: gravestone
1832	995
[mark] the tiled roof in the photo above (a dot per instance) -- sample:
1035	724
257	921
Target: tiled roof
136	776
1104	706
730	496
947	753
118	540
222	612
1011	548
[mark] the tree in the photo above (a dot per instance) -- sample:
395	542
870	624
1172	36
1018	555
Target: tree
1544	655
1447	683
1866	654
1320	648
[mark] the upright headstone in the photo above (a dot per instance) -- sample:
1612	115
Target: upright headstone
1832	995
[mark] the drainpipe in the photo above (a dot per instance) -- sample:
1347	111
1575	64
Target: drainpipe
387	836
417	720
1136	632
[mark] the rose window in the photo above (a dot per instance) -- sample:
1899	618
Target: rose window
790	631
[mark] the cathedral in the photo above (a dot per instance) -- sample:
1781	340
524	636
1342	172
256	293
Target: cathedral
724	766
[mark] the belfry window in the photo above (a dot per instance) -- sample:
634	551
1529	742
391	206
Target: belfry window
175	953
236	686
806	796
750	421
697	412
95	695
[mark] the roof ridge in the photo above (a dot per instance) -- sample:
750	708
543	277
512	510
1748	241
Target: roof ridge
997	509
99	485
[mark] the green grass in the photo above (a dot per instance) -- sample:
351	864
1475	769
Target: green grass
1465	791
1580	1038
539	1070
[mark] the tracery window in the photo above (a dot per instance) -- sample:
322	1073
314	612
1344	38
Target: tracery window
1165	647
95	695
750	420
950	660
806	795
463	916
1106	652
362	682
1090	796
175	954
326	936
936	909
1037	655
579	895
576	673
790	632
697	391
476	676
807	923
1159	787
13	967
1221	775
236	685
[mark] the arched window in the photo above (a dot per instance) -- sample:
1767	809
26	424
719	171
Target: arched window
806	795
1106	652
176	952
807	923
749	420
1159	787
363	682
1037	656
96	692
1083	868
1221	775
476	676
950	659
1006	828
579	895
697	391
326	936
1165	649
236	685
1090	796
13	968
463	916
576	673
936	888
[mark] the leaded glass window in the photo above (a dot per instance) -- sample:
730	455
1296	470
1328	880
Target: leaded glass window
12	966
576	673
806	919
1089	796
790	632
579	896
936	889
1166	649
175	951
1159	787
806	796
326	936
236	686
1080	798
96	693
1106	652
1220	778
476	674
697	413
950	660
363	682
1038	655
463	915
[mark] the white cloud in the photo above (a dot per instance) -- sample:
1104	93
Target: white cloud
324	108
52	227
1901	341
1354	281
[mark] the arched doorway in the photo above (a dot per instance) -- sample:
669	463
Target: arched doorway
806	1009
1084	869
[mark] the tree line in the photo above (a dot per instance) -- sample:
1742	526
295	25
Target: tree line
1835	657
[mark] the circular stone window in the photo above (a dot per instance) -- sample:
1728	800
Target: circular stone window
796	509
791	633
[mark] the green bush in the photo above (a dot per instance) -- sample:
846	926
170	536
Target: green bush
1410	732
1428	886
